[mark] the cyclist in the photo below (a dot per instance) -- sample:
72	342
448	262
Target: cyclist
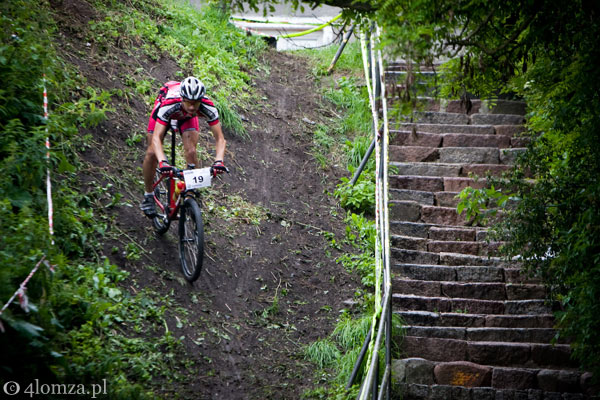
178	106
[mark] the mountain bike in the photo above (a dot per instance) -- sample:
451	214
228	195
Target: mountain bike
177	198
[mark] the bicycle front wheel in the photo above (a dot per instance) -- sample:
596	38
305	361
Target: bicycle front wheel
160	221
191	239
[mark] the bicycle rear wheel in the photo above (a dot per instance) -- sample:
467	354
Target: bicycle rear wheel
161	222
191	239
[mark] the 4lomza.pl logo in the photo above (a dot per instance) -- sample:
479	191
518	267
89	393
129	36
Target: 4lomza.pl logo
35	388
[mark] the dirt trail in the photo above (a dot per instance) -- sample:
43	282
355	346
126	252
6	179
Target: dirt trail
246	344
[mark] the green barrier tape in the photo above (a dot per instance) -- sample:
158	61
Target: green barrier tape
318	28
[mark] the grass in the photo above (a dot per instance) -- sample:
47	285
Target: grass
202	41
349	63
323	353
335	355
353	125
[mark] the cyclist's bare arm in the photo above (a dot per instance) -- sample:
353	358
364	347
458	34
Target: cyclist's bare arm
220	141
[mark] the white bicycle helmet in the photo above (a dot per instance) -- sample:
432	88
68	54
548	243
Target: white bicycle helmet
192	88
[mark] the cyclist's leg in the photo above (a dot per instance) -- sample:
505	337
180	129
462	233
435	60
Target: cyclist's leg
150	160
148	168
189	137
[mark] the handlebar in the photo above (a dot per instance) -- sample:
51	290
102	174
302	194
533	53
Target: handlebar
175	172
172	172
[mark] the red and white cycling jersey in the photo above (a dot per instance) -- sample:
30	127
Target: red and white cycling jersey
167	110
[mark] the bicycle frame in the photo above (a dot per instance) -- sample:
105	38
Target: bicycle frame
173	178
174	203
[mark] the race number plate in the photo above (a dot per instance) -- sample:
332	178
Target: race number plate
197	178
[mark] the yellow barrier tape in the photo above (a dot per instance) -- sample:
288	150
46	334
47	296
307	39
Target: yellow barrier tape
318	28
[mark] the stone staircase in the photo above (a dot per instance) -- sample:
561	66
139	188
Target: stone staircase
475	327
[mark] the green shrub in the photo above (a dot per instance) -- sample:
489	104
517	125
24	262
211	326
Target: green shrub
358	198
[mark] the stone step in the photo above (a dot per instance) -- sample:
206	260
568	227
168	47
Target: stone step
406	391
413	211
462	247
434	183
488	106
394	72
433	117
465	374
395	90
401	65
414	196
441	216
403	210
497	119
448	170
505	354
446	199
437	232
500	130
441	199
453	128
414	153
428	318
427	103
463	140
403	256
454	155
466	273
422	197
459	106
498	106
526	335
409	138
469	290
469	305
510	130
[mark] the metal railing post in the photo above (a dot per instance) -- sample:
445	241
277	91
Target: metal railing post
359	360
363	163
375	375
340	49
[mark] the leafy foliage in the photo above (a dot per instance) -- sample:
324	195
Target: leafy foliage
358	198
82	325
214	51
481	205
545	53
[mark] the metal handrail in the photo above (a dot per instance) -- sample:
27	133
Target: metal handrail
382	318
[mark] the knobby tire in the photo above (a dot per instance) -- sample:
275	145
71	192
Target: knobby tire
191	239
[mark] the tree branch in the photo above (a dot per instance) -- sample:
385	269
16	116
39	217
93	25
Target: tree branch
492	52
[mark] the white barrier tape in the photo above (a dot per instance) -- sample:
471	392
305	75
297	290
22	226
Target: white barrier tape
20	292
48	181
382	246
49	266
23	300
255	32
371	85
